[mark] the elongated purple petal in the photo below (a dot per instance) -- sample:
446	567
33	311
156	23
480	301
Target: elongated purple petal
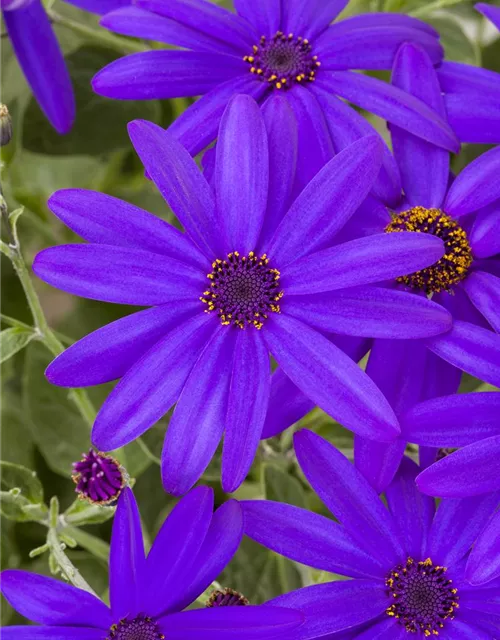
242	174
208	18
103	219
247	407
483	290
330	378
382	19
42	62
348	496
378	461
390	103
491	12
412	510
453	421
471	471
373	312
132	21
335	606
152	386
49	601
109	352
198	125
424	167
116	274
470	348
308	18
456	525
484	237
174	551
264	15
466	79
219	546
99	6
475	186
308	538
50	633
475	118
328	201
198	422
362	261
179	181
483	564
127	559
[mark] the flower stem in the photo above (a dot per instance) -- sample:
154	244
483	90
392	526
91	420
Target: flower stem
64	563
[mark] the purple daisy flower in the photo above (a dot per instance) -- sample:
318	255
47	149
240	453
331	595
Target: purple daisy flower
41	60
148	594
465	214
408	561
251	276
266	47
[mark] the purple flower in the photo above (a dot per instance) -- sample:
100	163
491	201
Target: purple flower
409	563
41	60
248	260
148	594
99	478
465	214
267	47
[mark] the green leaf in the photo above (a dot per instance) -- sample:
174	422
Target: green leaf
56	425
457	45
82	512
283	487
12	340
90	543
101	124
21	497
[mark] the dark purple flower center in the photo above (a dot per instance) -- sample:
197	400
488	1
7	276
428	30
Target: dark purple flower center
283	60
422	597
227	598
99	478
140	628
453	266
243	290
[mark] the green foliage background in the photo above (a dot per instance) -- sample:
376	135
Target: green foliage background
42	429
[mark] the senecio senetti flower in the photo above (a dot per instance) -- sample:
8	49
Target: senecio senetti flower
250	276
409	563
148	594
267	46
41	60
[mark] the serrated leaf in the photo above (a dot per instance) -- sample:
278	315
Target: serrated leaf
81	512
12	340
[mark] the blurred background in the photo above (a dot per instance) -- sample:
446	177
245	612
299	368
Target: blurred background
41	427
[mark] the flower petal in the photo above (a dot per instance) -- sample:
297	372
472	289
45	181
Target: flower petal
242	174
308	538
483	564
424	167
390	103
348	496
169	563
467	79
309	18
263	15
127	560
373	312
152	386
118	274
247	407
453	421
475	186
328	201
99	6
383	19
198	421
49	601
471	471
470	348
484	237
483	290
362	261
179	181
474	118
330	378
42	62
103	219
50	633
490	12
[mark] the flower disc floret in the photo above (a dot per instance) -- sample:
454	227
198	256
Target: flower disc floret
243	290
283	60
423	597
453	266
140	628
99	478
227	598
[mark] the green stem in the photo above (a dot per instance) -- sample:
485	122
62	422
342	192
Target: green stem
147	452
100	36
432	6
64	563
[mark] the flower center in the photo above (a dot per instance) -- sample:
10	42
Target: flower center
140	628
99	478
243	290
422	597
227	598
455	263
283	60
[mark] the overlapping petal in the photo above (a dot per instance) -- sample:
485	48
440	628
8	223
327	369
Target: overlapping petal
483	564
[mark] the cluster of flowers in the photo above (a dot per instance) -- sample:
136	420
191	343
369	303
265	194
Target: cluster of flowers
307	240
